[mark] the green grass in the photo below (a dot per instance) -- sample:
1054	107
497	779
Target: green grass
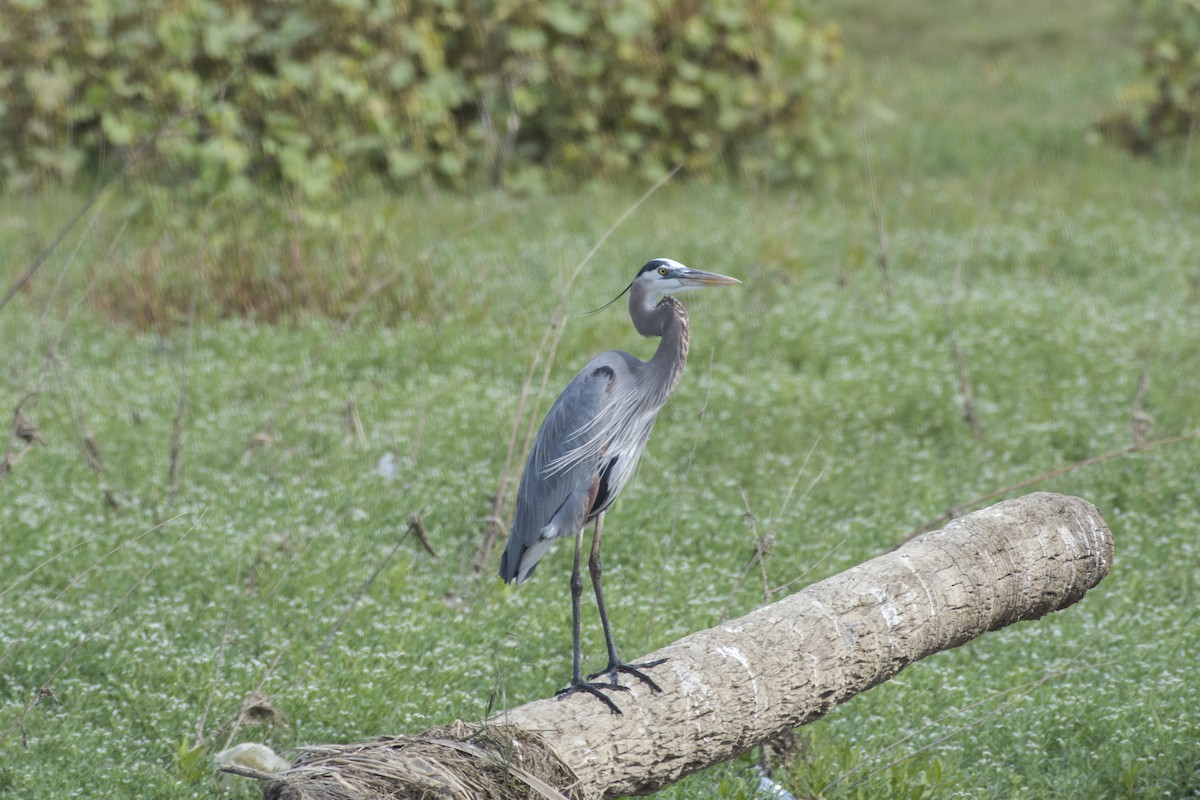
1062	268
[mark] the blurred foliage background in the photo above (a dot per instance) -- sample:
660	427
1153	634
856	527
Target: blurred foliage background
230	97
1163	107
462	93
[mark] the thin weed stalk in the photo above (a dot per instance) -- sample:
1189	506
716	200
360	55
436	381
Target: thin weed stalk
763	541
882	255
44	690
133	158
74	582
1022	692
222	649
46	563
958	510
362	592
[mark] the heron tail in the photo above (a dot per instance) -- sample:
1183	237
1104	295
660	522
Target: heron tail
519	561
507	571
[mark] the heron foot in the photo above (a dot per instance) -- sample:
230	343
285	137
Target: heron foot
594	690
635	670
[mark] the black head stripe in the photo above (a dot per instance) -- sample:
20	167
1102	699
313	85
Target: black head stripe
650	266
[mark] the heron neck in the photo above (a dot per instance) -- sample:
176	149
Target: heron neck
671	356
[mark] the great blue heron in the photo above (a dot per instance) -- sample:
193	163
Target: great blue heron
589	444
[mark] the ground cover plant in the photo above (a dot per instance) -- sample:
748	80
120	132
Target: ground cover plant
209	527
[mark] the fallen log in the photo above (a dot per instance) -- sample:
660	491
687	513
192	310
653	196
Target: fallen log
729	688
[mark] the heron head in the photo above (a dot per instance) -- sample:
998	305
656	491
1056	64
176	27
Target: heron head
663	276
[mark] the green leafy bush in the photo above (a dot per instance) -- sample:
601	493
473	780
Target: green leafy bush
453	92
1165	104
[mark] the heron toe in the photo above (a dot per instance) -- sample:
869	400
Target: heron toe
594	690
629	669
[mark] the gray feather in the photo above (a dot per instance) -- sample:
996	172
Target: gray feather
583	432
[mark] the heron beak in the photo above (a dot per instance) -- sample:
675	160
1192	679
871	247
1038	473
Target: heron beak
698	277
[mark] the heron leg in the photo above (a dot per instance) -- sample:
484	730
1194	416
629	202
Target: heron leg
576	594
578	684
615	665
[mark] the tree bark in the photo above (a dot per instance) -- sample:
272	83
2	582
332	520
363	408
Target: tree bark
729	688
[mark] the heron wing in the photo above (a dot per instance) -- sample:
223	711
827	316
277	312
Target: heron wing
570	472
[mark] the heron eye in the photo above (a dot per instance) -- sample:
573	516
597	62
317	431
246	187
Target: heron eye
662	271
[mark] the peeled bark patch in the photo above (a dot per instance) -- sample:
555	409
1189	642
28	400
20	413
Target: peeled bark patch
731	687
